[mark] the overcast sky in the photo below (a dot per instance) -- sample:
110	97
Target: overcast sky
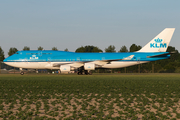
75	23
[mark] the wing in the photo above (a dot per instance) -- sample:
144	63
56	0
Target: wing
97	62
103	62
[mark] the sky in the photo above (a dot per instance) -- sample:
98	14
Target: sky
75	23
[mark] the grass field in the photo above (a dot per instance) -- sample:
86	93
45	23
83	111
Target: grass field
118	96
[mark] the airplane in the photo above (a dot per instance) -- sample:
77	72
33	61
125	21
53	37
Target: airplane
84	63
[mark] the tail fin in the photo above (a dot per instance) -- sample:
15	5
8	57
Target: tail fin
160	42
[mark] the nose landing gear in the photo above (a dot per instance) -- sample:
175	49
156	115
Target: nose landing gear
22	73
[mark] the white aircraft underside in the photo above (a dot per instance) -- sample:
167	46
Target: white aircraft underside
49	65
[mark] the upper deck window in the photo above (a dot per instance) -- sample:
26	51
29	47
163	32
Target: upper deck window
46	53
31	53
37	53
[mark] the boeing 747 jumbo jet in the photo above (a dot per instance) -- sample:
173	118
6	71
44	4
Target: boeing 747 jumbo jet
85	62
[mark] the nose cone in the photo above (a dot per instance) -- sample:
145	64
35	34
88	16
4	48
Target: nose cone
5	60
11	58
8	59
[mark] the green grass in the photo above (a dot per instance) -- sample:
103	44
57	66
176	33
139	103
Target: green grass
132	96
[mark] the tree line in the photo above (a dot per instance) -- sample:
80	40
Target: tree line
88	48
166	66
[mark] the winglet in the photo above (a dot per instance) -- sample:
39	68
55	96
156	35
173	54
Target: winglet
129	57
160	42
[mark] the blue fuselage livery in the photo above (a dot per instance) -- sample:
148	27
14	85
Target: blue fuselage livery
48	59
85	62
63	56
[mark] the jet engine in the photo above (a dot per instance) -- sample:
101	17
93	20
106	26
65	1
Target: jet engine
65	68
89	66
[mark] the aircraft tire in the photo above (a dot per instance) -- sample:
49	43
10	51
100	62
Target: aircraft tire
86	72
79	73
90	73
22	73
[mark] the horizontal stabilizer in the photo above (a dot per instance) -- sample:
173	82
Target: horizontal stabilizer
161	55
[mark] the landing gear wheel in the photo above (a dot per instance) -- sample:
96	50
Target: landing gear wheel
86	72
22	73
90	73
79	73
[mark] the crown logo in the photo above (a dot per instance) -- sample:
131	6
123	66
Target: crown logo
158	40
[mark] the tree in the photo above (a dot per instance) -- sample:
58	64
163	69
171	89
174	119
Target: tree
80	49
111	48
174	56
40	48
171	64
12	51
66	49
1	54
88	49
134	48
54	48
26	48
123	49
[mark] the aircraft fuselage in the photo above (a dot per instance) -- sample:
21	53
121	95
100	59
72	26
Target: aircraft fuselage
47	59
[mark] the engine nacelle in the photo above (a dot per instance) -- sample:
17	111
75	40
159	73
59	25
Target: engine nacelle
89	66
65	68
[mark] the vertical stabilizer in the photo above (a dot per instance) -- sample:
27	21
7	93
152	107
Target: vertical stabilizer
160	42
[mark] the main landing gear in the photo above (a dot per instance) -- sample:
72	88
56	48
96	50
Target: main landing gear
84	72
81	71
